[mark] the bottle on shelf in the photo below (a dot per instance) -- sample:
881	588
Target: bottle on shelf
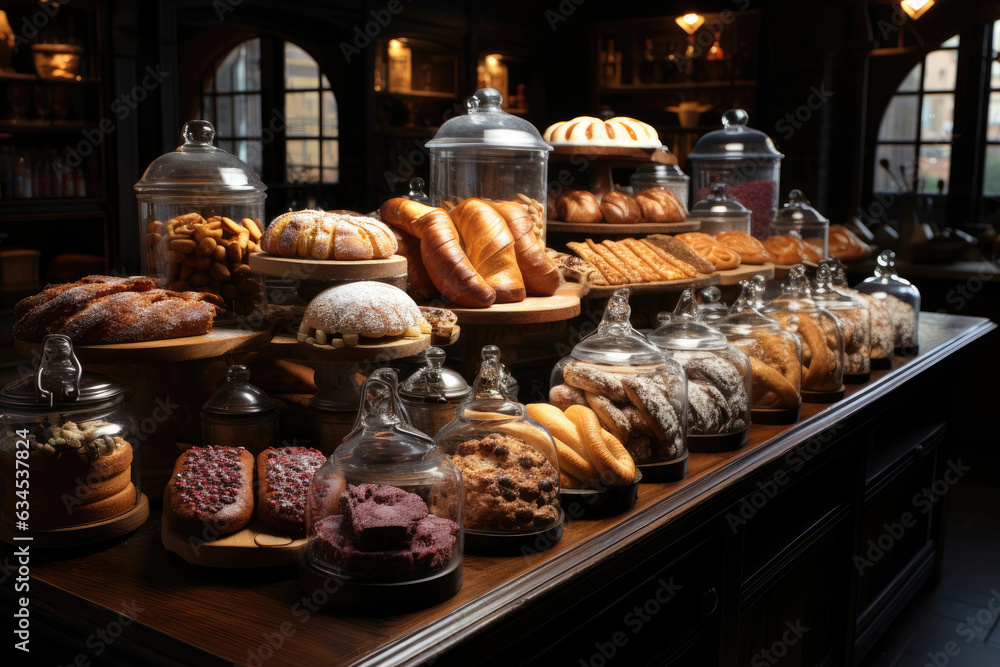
715	51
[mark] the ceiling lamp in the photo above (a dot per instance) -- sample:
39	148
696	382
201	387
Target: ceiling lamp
691	22
916	8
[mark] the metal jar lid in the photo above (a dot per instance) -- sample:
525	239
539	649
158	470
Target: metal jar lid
435	383
60	383
237	397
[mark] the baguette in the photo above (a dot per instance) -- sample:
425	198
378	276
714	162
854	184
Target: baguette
211	489
283	477
441	250
490	247
612	275
625	254
540	273
630	274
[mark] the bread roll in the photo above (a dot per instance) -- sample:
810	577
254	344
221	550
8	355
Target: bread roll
578	206
620	209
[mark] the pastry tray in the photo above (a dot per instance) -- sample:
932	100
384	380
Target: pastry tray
256	545
327	269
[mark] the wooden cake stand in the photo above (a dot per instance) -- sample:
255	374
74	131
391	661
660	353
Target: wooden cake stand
563	305
327	269
286	345
597	161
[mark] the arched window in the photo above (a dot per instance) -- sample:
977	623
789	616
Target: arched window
293	146
915	134
991	171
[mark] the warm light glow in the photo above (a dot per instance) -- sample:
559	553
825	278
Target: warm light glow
690	22
916	8
395	44
492	61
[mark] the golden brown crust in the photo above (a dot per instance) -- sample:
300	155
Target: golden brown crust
750	250
490	247
681	251
721	257
611	275
630	274
844	244
660	205
540	273
340	235
610	458
578	206
631	260
620	209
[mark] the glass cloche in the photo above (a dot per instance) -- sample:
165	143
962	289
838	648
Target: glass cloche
240	414
855	324
799	220
718	379
509	466
719	213
900	297
384	513
69	430
433	392
775	357
490	154
883	332
819	335
746	161
201	213
628	380
711	308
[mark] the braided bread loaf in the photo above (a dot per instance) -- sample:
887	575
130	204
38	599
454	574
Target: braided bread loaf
343	235
620	131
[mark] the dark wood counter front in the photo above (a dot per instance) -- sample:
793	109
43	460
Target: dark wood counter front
788	547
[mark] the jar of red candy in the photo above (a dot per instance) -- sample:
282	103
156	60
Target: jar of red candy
746	161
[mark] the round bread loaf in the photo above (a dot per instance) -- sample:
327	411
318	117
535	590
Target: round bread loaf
343	235
365	308
620	131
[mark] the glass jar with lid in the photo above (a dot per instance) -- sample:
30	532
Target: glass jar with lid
201	213
820	337
240	414
901	299
801	228
718	379
432	393
775	357
490	154
384	514
509	466
883	333
746	161
712	307
718	213
855	324
663	176
70	430
619	372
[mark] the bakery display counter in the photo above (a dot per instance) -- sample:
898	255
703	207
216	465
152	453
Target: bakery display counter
703	571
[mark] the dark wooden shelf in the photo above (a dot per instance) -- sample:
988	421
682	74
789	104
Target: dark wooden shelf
658	87
21	77
437	94
35	126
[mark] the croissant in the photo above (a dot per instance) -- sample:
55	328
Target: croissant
660	205
490	247
540	273
419	283
343	235
441	250
619	208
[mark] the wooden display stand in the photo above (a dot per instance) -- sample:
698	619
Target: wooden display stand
257	545
327	269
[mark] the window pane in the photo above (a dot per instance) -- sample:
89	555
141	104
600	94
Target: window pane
995	74
301	71
899	123
937	117
224	107
325	81
246	116
331	162
208	110
935	166
952	42
302	161
240	69
911	83
255	155
940	70
991	177
993	118
330	120
302	114
900	164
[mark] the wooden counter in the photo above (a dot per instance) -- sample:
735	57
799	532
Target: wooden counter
706	571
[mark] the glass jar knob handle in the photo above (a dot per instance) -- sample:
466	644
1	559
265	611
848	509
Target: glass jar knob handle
198	132
487	99
797	197
735	119
238	373
59	372
687	307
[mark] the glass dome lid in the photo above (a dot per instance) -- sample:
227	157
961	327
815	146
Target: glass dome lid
735	141
885	272
685	332
798	210
718	205
795	296
614	341
743	315
199	167
825	288
237	397
487	125
59	382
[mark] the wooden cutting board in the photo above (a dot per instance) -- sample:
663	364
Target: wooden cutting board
257	545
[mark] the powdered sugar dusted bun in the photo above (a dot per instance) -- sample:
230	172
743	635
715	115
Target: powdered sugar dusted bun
366	308
620	131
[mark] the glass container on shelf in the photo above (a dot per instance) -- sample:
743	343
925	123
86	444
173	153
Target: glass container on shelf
855	323
384	514
799	219
883	333
775	357
718	213
661	176
240	414
820	337
70	429
201	213
712	308
746	161
509	465
490	154
718	379
619	369
432	393
901	299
